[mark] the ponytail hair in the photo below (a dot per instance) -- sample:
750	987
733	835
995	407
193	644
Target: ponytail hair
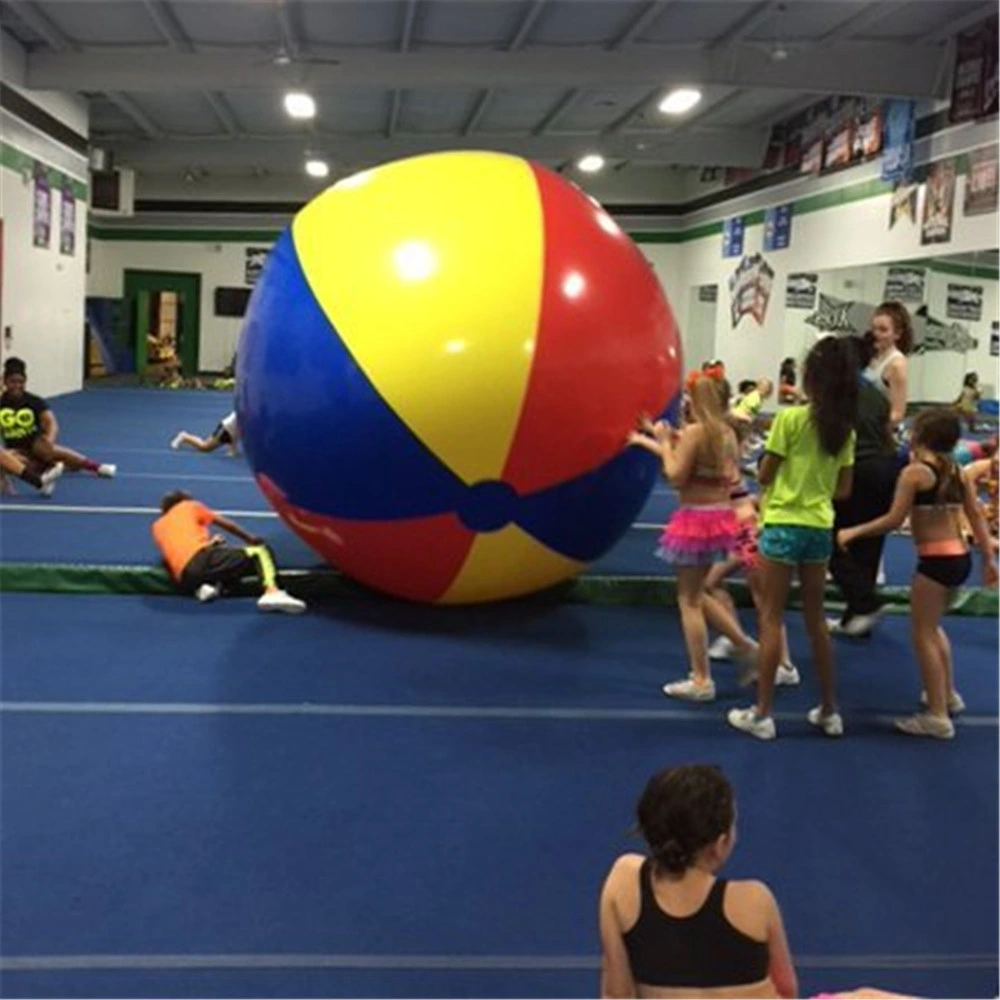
831	383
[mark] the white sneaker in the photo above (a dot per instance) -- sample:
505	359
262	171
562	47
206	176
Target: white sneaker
721	649
690	690
832	724
278	600
107	471
177	441
49	477
207	592
787	675
750	722
924	724
956	703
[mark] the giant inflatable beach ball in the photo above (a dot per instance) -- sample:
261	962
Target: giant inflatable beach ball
437	372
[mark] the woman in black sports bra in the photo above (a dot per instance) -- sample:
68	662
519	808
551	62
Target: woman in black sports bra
932	491
669	927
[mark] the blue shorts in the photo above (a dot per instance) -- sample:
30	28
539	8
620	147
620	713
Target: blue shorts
795	544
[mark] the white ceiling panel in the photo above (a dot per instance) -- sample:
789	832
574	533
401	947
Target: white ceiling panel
104	23
469	22
350	23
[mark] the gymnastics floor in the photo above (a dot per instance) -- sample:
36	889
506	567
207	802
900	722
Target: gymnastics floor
378	799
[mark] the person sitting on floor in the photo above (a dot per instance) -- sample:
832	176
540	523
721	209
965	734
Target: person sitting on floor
225	433
206	565
13	463
669	926
29	428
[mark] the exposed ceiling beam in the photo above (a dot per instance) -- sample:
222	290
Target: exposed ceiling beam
787	110
956	25
883	69
559	109
290	37
527	23
395	106
223	112
633	112
477	112
639	24
127	106
859	22
748	23
162	15
42	25
694	146
409	20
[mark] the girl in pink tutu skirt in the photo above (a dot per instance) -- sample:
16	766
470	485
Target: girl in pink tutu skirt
701	462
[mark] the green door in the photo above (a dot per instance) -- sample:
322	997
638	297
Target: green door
142	288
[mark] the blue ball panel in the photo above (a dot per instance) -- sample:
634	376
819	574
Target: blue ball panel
313	422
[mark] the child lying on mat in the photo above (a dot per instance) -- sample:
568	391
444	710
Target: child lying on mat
206	565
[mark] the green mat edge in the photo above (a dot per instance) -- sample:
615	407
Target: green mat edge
56	578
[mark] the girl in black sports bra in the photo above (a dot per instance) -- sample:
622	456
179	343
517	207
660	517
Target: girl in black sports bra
932	491
669	926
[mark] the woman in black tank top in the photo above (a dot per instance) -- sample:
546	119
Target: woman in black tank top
669	926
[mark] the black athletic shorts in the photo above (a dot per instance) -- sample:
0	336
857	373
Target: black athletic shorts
949	571
221	434
219	564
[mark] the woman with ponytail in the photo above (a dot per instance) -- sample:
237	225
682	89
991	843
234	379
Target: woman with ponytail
808	463
669	926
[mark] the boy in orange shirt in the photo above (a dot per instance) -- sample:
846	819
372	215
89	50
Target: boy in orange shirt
204	564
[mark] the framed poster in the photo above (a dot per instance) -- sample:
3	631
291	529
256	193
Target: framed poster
903	204
965	302
905	284
939	203
897	145
67	220
254	264
41	214
981	182
800	290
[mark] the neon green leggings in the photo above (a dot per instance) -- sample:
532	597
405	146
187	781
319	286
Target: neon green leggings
268	573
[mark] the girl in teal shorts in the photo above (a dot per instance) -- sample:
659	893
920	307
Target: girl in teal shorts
808	463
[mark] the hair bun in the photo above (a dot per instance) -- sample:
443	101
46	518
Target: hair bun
673	855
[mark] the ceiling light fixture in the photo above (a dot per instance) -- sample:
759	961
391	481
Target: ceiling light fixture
680	100
591	163
299	104
317	168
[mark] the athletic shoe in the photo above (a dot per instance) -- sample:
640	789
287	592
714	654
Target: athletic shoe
177	441
690	690
207	592
49	477
924	724
856	627
721	649
787	675
278	600
956	703
832	724
107	471
750	722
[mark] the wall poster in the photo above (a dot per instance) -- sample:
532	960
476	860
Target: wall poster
982	182
732	236
905	284
965	302
904	203
939	203
750	289
800	290
41	218
67	220
254	264
778	227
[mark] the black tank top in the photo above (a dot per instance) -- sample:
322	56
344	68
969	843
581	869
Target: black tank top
954	492
702	951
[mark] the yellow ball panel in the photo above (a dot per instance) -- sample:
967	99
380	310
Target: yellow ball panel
439	309
507	563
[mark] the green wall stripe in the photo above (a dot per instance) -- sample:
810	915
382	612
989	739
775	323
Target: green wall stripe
184	235
13	159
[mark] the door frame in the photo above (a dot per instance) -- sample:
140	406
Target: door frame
187	284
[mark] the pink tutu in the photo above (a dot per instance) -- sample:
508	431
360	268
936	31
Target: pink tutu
699	536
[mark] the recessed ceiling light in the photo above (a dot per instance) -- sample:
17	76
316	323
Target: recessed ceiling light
299	104
317	168
680	100
591	163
